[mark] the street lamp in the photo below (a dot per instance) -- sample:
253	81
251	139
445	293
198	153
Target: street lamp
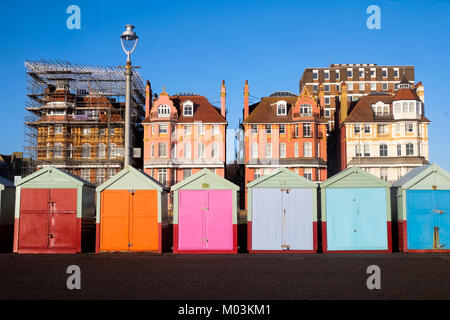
128	40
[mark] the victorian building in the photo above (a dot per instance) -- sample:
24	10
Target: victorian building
183	133
382	133
285	130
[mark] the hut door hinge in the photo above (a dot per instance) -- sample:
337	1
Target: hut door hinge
132	191
285	246
439	211
130	245
287	190
205	240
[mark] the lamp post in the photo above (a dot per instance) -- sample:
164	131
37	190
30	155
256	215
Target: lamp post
129	42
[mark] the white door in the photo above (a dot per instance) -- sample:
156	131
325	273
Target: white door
297	223
266	219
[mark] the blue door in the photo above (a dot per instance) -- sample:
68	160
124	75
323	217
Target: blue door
341	219
444	218
428	219
356	219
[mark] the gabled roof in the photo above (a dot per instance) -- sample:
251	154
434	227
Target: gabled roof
362	111
49	169
266	110
347	173
153	183
202	173
204	111
284	171
405	94
418	174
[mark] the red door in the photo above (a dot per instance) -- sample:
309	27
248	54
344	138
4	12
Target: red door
63	219
48	219
33	225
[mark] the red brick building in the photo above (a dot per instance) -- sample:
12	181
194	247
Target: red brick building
285	130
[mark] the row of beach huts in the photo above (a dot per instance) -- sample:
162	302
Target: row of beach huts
52	211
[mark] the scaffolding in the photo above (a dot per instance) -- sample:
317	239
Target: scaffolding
71	104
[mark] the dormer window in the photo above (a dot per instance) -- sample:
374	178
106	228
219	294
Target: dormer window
305	110
281	108
164	111
380	109
188	109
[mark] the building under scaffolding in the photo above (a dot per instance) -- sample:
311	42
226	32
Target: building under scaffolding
75	119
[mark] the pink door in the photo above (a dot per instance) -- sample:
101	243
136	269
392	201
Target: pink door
205	220
190	220
219	220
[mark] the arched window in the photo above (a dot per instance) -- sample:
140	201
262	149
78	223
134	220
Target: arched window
418	108
215	150
296	149
164	111
282	150
101	151
411	107
307	149
152	150
397	107
188	109
281	108
57	150
358	150
385	111
86	151
112	150
162	149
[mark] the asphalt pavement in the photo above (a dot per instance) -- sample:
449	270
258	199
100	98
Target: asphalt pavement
236	277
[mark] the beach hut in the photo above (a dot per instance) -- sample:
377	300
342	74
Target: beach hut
422	210
282	213
205	214
356	212
131	213
7	194
54	213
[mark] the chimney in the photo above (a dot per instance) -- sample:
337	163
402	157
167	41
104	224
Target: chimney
246	93
343	109
223	95
321	95
148	99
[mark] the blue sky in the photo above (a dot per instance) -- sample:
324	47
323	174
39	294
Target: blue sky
193	45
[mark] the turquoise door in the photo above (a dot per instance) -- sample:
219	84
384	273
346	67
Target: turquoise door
444	218
356	219
428	221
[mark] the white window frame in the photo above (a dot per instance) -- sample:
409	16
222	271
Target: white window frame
268	150
58	129
162	150
281	108
187	151
163	128
255	150
201	150
307	149
163	111
188	109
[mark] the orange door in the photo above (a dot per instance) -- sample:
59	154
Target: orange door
114	224
129	220
144	221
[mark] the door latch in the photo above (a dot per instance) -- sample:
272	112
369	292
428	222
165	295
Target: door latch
51	235
205	240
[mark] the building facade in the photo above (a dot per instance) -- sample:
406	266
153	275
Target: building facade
183	134
361	80
285	130
384	134
75	118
